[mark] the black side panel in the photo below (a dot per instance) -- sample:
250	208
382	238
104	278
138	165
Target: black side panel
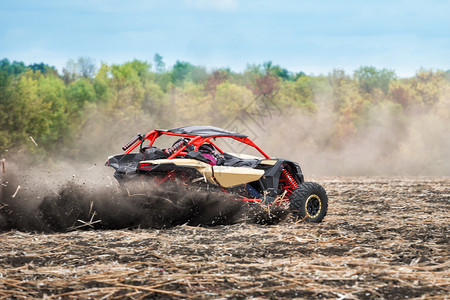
295	170
125	163
272	175
162	169
271	178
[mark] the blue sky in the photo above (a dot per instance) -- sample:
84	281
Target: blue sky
310	36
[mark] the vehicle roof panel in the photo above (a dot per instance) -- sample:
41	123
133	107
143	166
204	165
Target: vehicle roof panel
204	131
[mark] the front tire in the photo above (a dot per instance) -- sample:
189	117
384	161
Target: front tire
309	202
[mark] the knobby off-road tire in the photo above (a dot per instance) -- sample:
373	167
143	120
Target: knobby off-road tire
309	202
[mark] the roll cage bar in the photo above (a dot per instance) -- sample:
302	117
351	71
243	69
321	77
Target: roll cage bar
196	140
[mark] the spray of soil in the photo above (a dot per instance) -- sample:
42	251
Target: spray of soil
31	203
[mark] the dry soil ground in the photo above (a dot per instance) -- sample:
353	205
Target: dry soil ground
382	238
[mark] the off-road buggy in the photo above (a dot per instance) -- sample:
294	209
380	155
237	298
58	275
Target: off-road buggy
197	160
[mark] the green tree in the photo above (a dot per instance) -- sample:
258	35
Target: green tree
190	103
43	68
370	78
126	84
79	92
52	91
424	90
428	84
184	71
232	100
14	68
284	74
156	104
101	84
28	114
300	93
160	66
181	72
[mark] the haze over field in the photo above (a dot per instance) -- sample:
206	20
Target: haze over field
366	123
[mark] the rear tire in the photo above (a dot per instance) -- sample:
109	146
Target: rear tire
309	202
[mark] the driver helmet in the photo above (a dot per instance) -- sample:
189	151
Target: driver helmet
206	149
208	152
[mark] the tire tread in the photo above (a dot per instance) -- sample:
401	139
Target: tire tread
299	196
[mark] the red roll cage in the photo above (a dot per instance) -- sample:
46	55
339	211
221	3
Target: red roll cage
196	140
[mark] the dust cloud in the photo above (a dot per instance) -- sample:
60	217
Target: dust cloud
55	201
388	140
386	145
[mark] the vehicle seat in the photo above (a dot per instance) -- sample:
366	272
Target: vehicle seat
234	161
152	153
197	155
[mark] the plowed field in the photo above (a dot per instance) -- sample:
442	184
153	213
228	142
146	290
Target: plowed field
382	238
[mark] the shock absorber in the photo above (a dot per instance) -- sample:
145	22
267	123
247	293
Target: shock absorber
176	147
289	179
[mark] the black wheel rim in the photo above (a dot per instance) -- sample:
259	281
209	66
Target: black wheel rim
313	206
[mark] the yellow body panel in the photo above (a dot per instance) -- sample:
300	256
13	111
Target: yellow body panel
224	176
269	162
231	176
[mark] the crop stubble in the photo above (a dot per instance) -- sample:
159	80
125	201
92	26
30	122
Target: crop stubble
382	238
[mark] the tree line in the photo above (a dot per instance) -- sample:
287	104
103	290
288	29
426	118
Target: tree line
39	105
